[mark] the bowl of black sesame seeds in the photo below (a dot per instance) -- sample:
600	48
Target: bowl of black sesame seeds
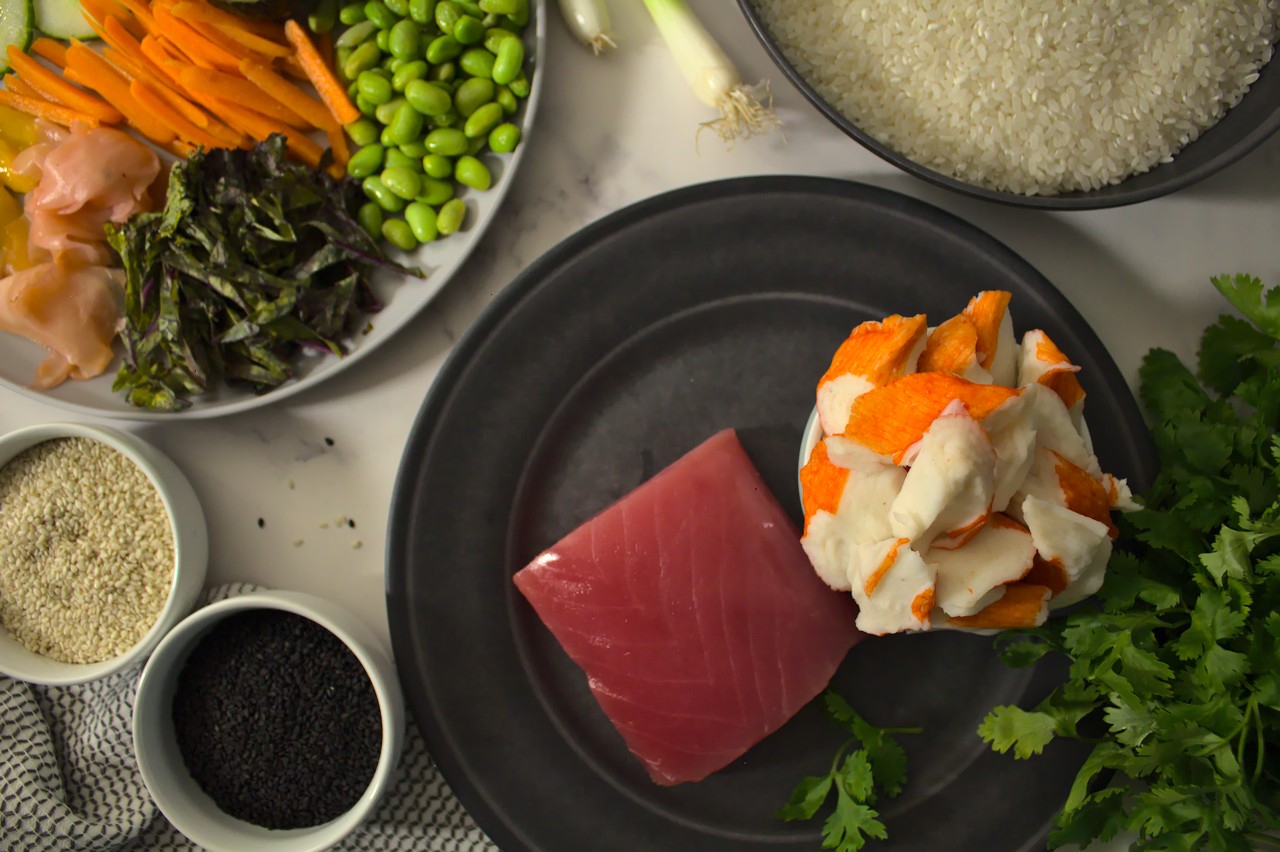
103	549
271	720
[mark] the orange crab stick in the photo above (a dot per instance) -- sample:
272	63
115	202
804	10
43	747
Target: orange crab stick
1043	362
1023	605
874	354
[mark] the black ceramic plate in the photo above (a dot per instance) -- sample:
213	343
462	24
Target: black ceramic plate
626	345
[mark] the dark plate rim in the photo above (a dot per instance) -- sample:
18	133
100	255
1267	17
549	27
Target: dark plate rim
1107	197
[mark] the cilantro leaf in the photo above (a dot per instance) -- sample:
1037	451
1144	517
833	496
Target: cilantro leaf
808	796
849	826
1247	294
1026	732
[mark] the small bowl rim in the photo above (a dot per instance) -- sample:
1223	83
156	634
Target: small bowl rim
166	663
189	556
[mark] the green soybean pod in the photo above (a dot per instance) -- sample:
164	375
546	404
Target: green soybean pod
362	132
520	86
499	7
446	140
404	40
483	120
434	191
437	166
364	57
447	15
477	62
422	219
417	149
399	234
366	161
508	101
469	171
473	93
509	62
428	98
364	106
443	73
376	191
407	73
442	49
422	11
468	30
357	33
352	13
402	180
398	160
370	218
449	219
504	138
398	7
406	125
495	36
375	87
323	17
377	12
387	111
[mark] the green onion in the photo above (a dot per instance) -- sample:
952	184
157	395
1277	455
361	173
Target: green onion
744	110
588	21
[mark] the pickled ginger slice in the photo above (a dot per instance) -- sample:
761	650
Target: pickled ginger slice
694	613
894	587
875	354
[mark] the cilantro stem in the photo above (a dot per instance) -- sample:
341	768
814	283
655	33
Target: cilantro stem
1263	839
1262	741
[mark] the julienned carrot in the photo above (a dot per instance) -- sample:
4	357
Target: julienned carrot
53	51
185	130
285	93
158	85
332	92
112	85
142	13
15	84
209	14
190	42
238	47
47	110
260	127
57	89
238	90
253	41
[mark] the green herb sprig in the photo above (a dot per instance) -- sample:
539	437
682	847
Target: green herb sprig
1180	657
879	764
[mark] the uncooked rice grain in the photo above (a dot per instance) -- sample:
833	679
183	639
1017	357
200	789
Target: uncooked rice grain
1029	96
86	550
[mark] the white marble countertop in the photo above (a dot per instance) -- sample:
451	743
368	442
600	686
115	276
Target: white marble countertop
611	131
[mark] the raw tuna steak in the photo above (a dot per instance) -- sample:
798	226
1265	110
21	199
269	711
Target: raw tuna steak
694	612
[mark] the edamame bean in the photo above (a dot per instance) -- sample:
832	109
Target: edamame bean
364	57
422	219
375	87
377	12
417	149
383	40
449	119
470	8
370	218
353	90
428	98
442	49
397	159
477	62
406	125
323	17
388	64
504	138
508	101
473	93
357	33
377	192
362	132
495	36
468	30
435	192
407	73
387	111
520	86
447	15
437	166
399	234
364	106
446	140
483	120
384	138
443	73
352	13
366	161
341	55
404	41
469	171
509	62
398	7
403	181
450	217
520	17
422	11
499	7
476	145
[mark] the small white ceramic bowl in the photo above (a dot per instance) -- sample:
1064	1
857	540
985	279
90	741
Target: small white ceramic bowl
809	439
164	771
190	547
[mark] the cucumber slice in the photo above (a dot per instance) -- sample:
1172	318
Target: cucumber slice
15	27
61	19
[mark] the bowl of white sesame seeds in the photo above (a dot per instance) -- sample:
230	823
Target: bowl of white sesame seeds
103	549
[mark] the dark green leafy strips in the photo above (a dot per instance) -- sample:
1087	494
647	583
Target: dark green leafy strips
880	763
253	259
1180	655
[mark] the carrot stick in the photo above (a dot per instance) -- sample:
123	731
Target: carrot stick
147	97
237	47
260	127
53	51
57	113
191	42
238	91
57	89
253	41
142	13
111	84
180	148
206	13
95	10
284	92
18	86
158	86
338	143
332	92
324	47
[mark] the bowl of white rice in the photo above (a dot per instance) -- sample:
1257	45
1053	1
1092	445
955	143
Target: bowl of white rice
1039	103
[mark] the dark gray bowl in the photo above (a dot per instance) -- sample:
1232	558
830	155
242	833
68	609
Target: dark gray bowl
1245	127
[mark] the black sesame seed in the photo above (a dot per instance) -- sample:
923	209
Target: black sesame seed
328	442
277	720
351	523
261	523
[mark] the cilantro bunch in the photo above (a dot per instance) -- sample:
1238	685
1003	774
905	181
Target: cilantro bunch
1178	662
879	762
